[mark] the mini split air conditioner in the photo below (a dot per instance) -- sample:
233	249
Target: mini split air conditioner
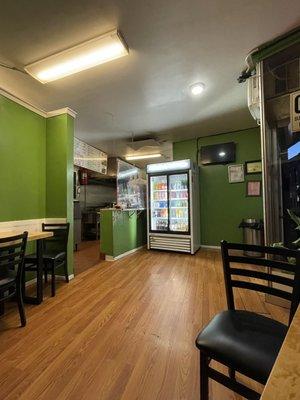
253	92
137	145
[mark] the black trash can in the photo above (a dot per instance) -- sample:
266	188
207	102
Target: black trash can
253	230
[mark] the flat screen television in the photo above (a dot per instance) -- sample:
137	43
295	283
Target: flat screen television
223	153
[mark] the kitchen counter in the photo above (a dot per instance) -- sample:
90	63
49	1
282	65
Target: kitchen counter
284	380
122	231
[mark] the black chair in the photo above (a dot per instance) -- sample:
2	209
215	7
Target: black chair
54	253
244	341
12	252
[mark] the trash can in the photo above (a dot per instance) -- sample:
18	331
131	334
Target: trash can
252	234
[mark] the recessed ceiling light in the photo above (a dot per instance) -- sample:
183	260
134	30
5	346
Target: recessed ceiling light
142	156
197	88
86	55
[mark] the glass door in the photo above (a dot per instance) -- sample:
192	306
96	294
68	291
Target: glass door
159	216
179	203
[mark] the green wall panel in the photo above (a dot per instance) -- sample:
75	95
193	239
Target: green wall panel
223	204
122	231
22	162
59	173
36	166
106	232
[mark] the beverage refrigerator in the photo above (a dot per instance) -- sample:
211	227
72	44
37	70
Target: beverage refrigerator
173	205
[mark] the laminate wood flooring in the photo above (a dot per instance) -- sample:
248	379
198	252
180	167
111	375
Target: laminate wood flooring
120	330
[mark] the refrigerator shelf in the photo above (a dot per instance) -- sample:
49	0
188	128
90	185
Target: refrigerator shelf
179	198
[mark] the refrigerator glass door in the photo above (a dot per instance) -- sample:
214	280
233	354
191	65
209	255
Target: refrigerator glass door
179	203
159	203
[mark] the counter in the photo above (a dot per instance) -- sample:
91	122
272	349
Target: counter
122	232
284	380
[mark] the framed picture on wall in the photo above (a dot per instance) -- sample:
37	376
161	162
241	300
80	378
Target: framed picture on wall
253	189
236	173
253	167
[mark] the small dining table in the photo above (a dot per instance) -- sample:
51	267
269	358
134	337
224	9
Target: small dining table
37	236
284	379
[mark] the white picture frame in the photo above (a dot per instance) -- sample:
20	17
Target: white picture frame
236	173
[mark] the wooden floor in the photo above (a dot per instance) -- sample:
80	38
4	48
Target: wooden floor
87	255
122	330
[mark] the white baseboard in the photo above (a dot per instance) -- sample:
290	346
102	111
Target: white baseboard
204	246
111	258
31	282
62	277
58	277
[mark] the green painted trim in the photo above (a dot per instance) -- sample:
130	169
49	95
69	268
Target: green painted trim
216	134
276	46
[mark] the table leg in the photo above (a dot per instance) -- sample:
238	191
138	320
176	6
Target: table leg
39	276
1	308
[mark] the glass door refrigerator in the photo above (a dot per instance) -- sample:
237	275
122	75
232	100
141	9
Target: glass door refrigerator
173	206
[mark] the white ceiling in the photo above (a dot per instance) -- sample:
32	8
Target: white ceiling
173	43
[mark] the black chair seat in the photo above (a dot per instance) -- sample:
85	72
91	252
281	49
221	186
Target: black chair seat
32	258
54	253
245	341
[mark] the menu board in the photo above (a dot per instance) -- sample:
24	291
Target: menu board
86	156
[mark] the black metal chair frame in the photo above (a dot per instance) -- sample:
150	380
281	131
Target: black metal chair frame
206	371
12	253
52	265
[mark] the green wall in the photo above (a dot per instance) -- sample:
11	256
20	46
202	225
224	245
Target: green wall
222	204
59	173
22	162
122	231
36	166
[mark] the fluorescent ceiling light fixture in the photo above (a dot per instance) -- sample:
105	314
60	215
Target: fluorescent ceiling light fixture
197	88
142	157
169	166
86	55
222	154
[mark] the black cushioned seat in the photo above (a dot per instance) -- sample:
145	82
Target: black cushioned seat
46	257
245	341
54	253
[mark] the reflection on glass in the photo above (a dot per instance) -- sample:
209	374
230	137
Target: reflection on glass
179	204
159	203
131	186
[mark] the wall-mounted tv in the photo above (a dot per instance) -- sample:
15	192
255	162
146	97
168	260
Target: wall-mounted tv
223	153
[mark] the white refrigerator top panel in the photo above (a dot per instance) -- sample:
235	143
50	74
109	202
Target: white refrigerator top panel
179	165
